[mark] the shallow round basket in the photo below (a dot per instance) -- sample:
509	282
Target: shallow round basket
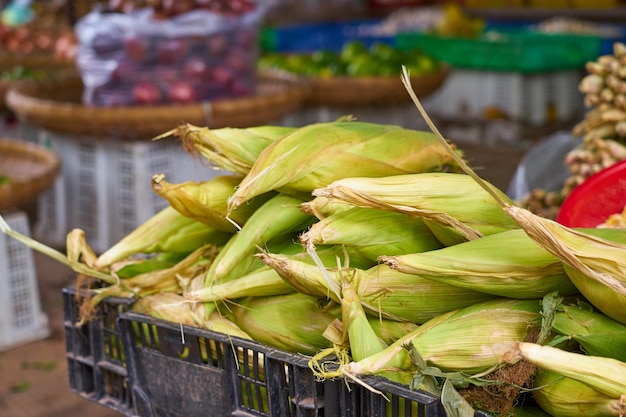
598	197
56	106
29	170
44	62
366	91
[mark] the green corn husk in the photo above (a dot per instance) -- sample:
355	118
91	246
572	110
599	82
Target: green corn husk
231	149
321	153
372	233
207	201
383	291
605	375
596	333
293	322
390	330
471	340
279	216
395	295
362	338
507	264
453	201
149	264
166	231
566	397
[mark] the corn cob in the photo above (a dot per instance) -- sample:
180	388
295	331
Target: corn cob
263	281
474	339
605	375
279	216
566	397
321	153
230	149
166	231
507	264
454	201
293	322
597	334
383	291
207	201
599	261
372	233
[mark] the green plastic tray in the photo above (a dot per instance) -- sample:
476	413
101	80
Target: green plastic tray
516	51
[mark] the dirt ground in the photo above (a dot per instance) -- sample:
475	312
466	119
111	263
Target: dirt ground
33	377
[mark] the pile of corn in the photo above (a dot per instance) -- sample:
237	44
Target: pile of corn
367	246
603	130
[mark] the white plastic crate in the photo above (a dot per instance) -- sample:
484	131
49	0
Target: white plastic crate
534	99
21	317
105	186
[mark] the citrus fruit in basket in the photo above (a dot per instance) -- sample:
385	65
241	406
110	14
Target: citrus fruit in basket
600	196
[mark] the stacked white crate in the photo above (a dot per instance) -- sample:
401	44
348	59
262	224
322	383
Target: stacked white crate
105	186
21	317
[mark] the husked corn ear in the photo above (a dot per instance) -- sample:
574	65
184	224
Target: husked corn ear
598	334
454	201
231	149
279	216
508	264
207	201
372	232
565	397
161	233
293	322
318	154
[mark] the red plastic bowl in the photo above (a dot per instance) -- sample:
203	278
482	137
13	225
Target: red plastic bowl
593	201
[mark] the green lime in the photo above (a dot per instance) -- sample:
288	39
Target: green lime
352	50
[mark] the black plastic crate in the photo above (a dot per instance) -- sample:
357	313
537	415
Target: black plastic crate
94	351
167	370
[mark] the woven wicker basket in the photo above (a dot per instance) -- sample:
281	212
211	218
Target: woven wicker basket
45	62
366	91
56	106
30	169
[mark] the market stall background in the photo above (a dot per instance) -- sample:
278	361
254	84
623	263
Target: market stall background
30	374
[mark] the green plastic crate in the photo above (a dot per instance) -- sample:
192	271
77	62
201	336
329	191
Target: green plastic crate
508	50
